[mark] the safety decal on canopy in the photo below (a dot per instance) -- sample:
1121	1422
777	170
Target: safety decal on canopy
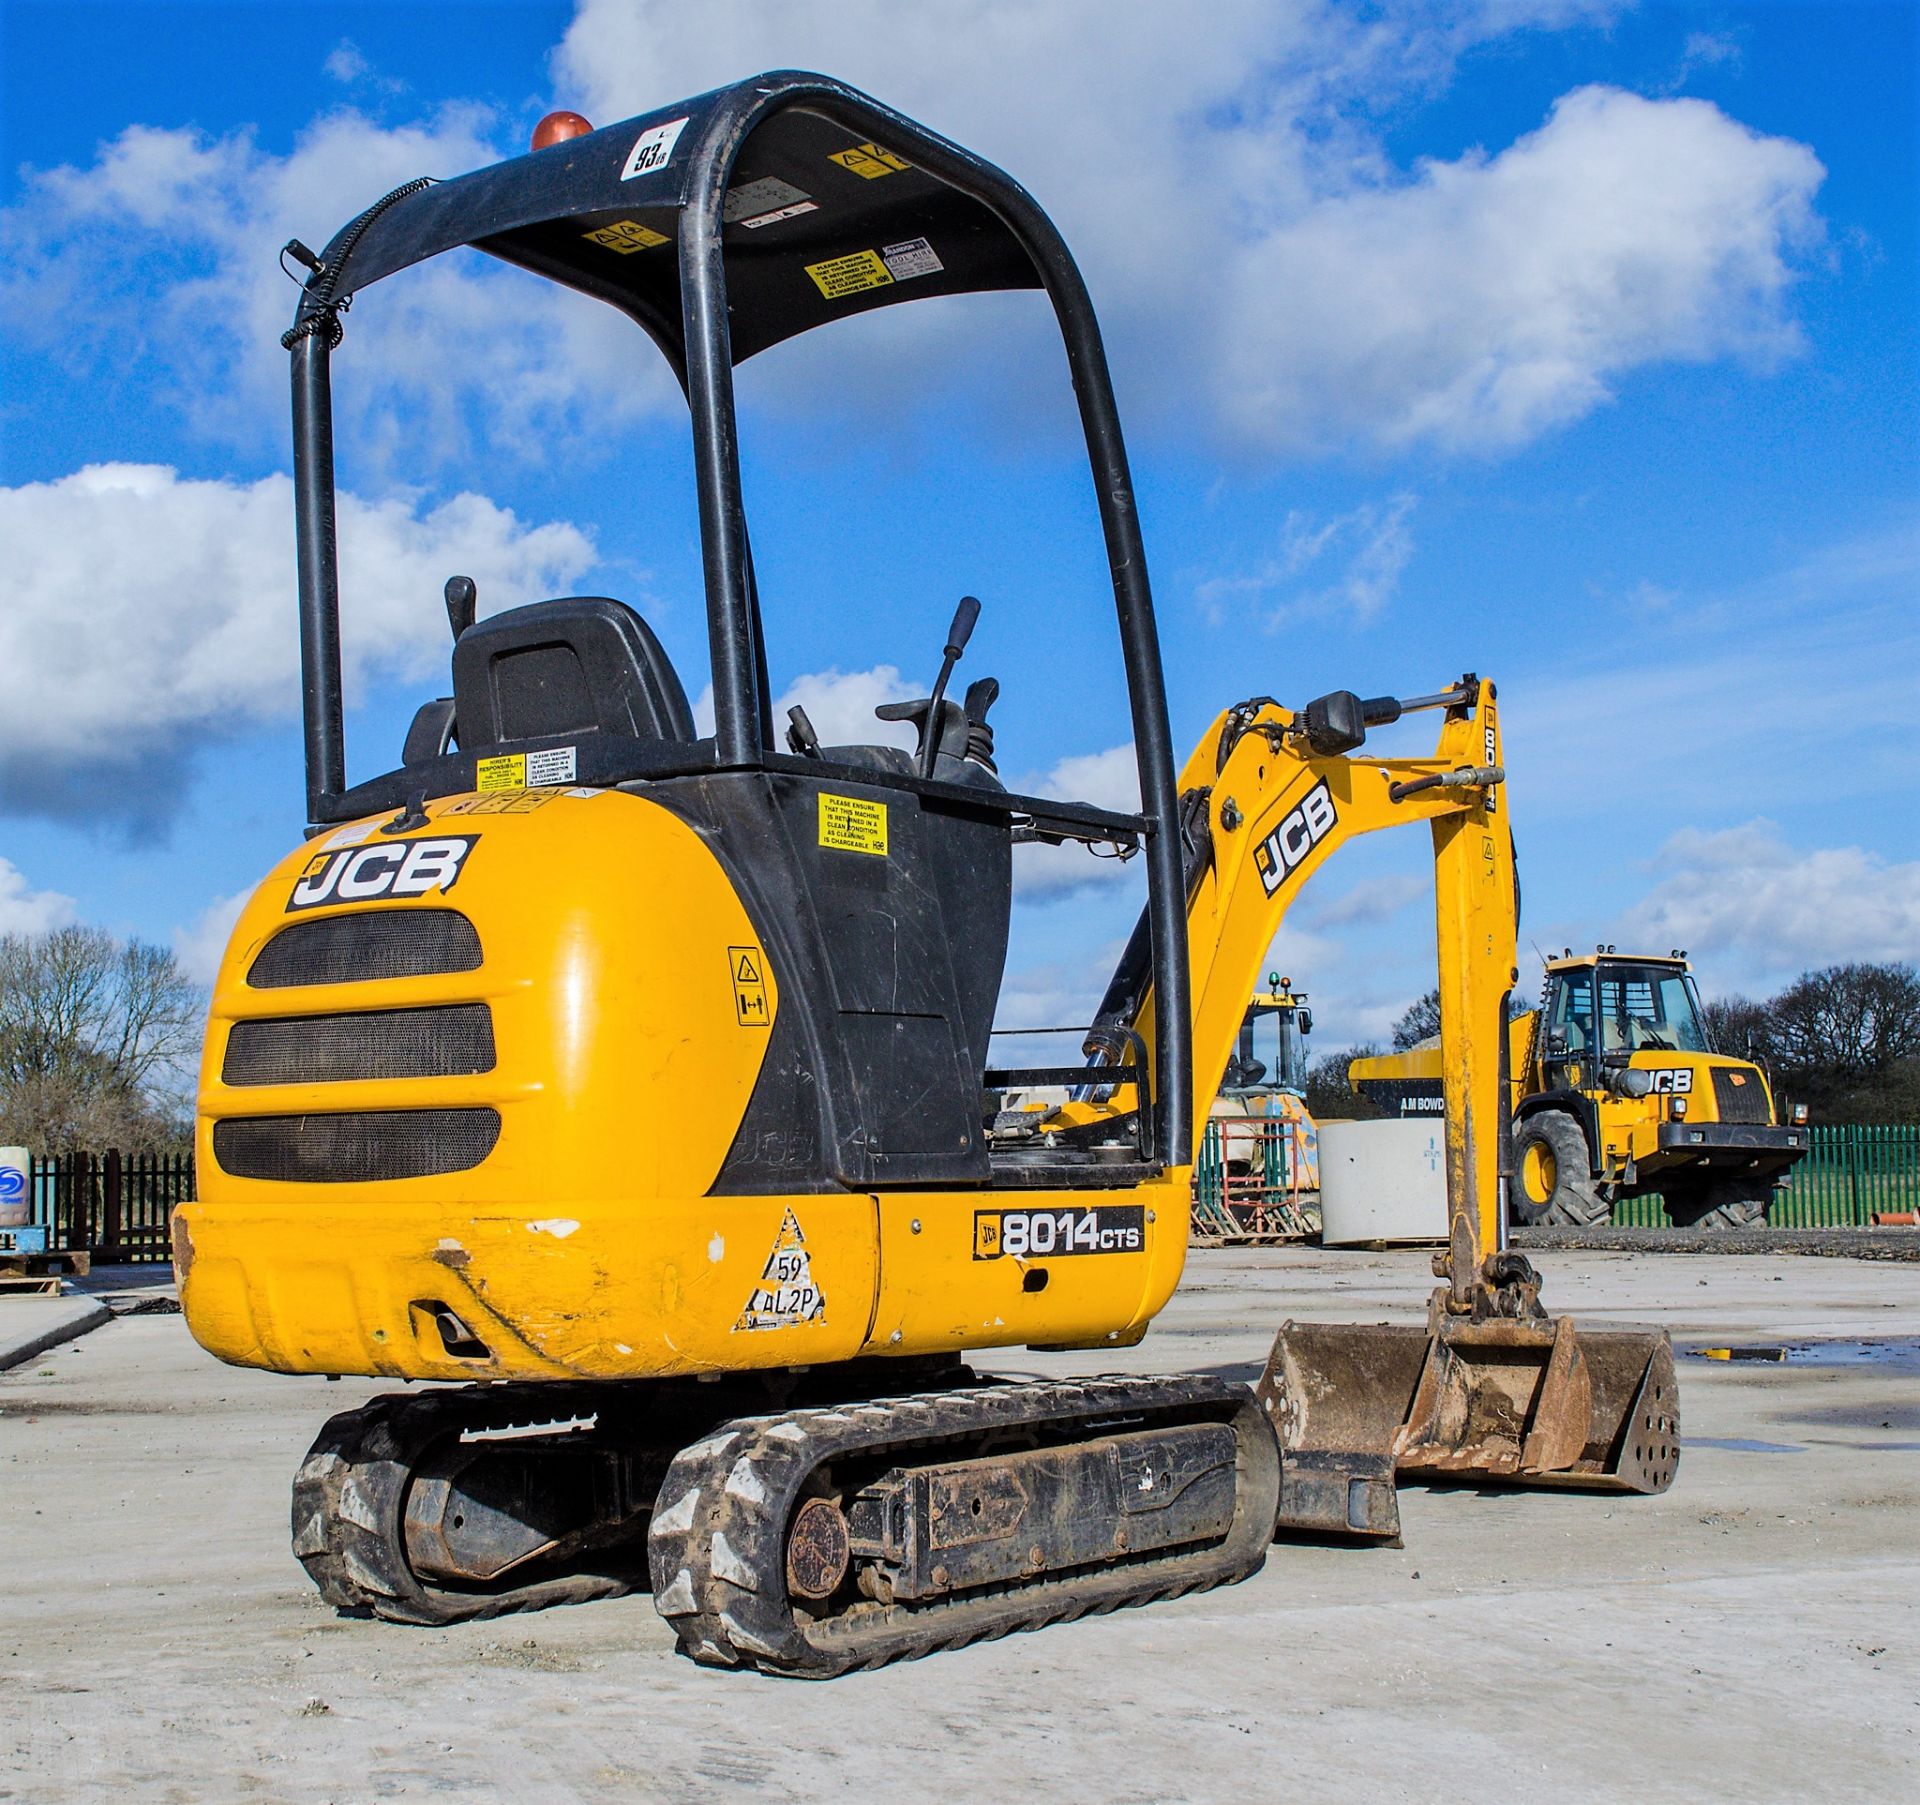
627	236
839	277
786	1294
653	149
765	203
869	160
913	258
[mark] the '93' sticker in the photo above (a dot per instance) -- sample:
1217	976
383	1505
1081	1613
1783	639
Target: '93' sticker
1053	1234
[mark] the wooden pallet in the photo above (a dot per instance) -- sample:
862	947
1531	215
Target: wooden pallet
52	1264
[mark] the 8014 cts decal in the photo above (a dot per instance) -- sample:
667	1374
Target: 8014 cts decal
1054	1234
394	868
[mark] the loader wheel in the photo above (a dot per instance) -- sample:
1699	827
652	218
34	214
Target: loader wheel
1721	1203
1551	1183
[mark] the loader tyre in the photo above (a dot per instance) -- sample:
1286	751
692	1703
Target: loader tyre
1721	1203
1551	1180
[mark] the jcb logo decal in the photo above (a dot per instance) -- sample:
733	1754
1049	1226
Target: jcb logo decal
1674	1080
1280	853
396	868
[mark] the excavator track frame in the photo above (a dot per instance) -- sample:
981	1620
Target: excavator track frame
719	1535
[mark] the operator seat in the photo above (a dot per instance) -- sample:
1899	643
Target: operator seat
583	664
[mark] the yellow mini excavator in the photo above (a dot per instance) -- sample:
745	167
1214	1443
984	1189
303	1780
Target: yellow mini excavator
633	1082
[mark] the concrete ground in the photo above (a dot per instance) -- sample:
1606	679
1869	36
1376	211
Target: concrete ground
1753	1634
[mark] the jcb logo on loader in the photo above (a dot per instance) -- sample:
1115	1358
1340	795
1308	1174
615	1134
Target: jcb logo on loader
1280	853
396	868
1674	1080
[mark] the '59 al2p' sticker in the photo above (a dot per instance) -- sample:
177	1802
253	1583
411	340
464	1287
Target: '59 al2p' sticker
1053	1234
357	874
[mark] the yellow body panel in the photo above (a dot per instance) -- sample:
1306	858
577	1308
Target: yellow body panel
586	1244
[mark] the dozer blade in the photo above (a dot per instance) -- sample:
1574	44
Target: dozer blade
1521	1403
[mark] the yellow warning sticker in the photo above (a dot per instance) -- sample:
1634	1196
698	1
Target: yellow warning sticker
627	236
505	801
746	966
869	160
839	277
853	824
507	772
787	1294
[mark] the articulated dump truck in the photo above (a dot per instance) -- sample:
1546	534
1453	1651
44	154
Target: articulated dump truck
628	1085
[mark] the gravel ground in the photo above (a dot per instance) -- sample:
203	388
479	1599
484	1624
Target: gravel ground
1753	1634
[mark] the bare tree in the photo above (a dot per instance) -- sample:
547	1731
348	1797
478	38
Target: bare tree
97	1038
1852	1021
1421	1022
1330	1097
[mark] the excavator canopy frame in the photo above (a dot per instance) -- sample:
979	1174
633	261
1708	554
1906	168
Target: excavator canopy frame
723	225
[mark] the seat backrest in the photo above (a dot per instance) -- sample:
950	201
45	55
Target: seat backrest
584	664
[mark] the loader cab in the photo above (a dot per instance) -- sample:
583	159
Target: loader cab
878	879
1602	1009
1270	1055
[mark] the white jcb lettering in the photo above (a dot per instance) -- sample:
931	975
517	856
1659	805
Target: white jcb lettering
1284	850
369	872
431	865
392	868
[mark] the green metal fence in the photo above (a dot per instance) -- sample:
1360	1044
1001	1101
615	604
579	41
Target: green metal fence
1851	1171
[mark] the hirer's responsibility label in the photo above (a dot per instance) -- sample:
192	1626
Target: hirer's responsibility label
853	824
786	1295
392	868
526	770
653	149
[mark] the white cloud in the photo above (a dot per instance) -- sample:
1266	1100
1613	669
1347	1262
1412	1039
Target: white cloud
200	944
1763	910
1372	900
346	62
840	705
1490	299
141	613
161	253
24	911
1348	565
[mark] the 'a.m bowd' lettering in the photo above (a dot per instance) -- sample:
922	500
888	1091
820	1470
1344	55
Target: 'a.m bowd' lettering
395	868
1306	824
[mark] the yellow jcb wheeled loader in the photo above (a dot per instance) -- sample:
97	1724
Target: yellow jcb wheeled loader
1615	1091
633	1082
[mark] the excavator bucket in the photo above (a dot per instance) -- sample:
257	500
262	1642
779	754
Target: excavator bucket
1535	1402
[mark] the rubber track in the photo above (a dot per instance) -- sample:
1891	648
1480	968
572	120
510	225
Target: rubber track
717	1538
350	1492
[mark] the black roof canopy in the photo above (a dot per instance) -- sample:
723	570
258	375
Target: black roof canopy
725	224
828	203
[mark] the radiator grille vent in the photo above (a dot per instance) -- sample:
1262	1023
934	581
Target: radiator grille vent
375	943
356	1148
1739	1093
448	1042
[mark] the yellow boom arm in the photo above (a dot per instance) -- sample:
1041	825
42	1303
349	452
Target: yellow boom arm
1279	802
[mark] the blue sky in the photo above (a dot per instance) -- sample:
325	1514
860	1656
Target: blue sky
1571	342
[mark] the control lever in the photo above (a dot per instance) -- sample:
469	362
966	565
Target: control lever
965	617
801	738
462	598
980	697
